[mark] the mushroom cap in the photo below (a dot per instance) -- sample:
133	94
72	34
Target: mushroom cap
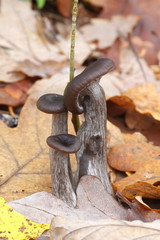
51	103
90	74
66	143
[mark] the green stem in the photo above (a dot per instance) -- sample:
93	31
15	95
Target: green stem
75	118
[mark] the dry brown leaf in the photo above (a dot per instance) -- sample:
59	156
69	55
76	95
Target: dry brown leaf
14	94
114	136
105	32
42	70
93	202
143	189
141	159
141	107
43	206
124	24
20	39
135	155
7	65
146	99
64	7
98	30
156	70
147	28
103	229
112	8
134	71
91	193
24	155
100	3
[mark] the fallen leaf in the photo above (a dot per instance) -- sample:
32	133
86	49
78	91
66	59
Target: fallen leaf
147	28
124	24
42	70
156	70
23	41
146	99
116	27
103	229
95	32
15	226
7	65
14	94
89	204
141	159
143	189
134	71
100	3
92	194
112	8
114	136
64	8
135	155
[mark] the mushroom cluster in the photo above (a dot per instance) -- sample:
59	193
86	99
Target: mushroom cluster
61	144
82	95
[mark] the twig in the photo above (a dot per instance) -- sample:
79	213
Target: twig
75	118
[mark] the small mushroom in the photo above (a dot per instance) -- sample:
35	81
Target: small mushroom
62	180
91	74
66	143
51	103
84	94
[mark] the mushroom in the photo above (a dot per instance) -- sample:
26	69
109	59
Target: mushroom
62	185
74	88
84	94
66	143
51	103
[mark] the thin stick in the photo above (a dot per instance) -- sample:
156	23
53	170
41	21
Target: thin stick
73	33
75	118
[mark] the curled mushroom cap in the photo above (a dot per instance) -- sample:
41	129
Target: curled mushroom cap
66	143
51	103
92	73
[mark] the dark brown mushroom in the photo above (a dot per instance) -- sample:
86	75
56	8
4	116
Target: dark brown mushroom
61	174
84	94
66	143
91	74
51	103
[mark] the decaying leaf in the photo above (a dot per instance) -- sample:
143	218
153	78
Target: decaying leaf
141	159
15	94
95	32
135	71
7	65
134	155
114	136
93	202
20	39
100	3
147	28
103	229
105	32
146	99
64	7
42	70
140	104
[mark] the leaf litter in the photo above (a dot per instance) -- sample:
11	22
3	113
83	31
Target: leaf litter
24	148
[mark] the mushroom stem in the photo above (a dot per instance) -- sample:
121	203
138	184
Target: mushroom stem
61	173
92	154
